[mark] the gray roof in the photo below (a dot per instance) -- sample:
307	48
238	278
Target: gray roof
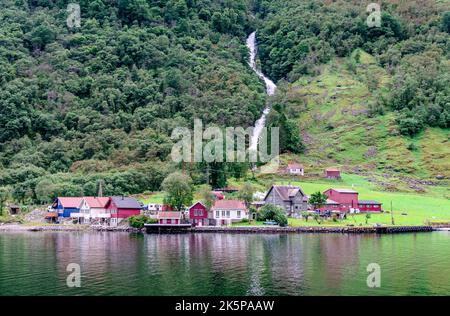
286	192
368	202
126	202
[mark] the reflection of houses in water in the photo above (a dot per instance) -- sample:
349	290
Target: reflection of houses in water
336	260
286	261
100	255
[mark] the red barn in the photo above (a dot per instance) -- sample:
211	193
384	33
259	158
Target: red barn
198	214
332	173
369	206
346	198
122	207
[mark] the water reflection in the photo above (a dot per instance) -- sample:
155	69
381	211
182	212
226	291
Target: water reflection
223	264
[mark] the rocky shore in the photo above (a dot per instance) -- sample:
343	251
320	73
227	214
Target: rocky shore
341	230
65	228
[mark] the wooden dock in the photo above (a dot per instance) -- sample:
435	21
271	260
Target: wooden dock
167	228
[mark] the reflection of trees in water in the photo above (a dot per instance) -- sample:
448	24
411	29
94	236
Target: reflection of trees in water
221	264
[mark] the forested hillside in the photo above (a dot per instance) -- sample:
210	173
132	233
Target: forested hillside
367	99
412	44
98	103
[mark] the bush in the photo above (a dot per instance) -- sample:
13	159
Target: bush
270	212
139	221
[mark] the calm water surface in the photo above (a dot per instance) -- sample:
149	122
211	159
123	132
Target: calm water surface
223	264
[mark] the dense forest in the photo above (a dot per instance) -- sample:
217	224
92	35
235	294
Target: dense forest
412	43
97	104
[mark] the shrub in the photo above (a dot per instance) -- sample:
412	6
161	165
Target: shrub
138	221
270	212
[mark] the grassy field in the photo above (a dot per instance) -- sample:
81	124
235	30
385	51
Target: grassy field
432	205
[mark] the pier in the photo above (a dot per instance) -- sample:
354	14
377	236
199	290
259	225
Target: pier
167	228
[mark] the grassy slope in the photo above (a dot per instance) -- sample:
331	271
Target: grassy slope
339	98
371	151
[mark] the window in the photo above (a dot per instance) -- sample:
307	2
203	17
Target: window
223	213
228	214
217	214
238	214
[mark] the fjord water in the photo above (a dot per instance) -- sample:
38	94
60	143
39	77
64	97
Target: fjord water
223	264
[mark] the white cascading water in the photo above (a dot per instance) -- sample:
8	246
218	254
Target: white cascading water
270	88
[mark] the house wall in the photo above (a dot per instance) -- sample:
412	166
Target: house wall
296	171
332	174
370	207
125	213
294	206
228	216
67	211
196	210
346	200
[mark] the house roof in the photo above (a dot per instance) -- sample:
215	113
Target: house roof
285	191
196	204
331	202
218	195
70	202
369	202
126	202
294	165
229	205
169	215
343	190
96	202
332	169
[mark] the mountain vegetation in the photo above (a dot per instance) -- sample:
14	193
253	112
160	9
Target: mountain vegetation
99	102
96	105
298	36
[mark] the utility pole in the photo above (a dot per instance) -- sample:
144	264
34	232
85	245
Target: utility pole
392	215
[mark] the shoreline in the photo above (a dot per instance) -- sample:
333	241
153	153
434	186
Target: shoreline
230	230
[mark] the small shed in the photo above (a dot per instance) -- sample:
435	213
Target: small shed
332	173
295	169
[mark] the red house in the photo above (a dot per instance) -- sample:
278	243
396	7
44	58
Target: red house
169	217
346	198
122	207
198	214
332	173
369	206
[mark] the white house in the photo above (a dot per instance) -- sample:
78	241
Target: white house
94	210
295	168
225	212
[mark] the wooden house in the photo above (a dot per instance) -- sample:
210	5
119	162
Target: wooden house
225	212
369	206
66	206
332	173
198	214
347	199
94	210
169	218
294	168
121	207
290	198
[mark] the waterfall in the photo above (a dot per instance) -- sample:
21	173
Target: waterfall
270	89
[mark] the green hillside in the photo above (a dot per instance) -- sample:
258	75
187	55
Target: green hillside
80	107
338	129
